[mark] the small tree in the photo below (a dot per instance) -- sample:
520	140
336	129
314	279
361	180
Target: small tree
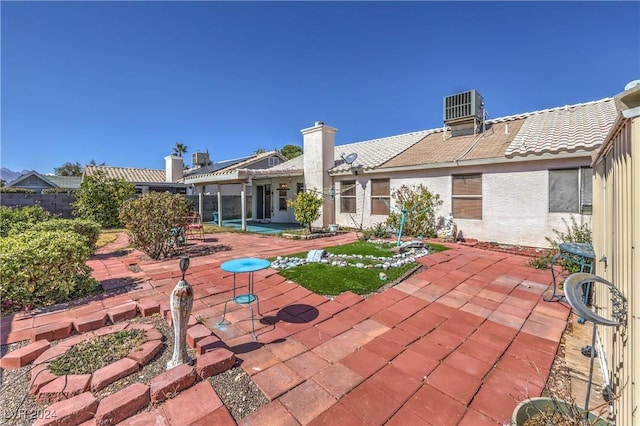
420	205
291	151
306	207
100	198
180	149
69	169
150	218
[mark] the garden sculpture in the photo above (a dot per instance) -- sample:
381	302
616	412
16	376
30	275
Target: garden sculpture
181	304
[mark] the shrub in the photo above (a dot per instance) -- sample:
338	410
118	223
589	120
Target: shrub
575	233
12	217
100	198
87	229
41	268
379	230
59	191
306	207
149	219
13	190
421	206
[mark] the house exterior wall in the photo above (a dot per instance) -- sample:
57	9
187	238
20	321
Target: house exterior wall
277	215
616	235
318	146
515	200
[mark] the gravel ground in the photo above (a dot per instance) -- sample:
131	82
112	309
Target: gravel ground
236	390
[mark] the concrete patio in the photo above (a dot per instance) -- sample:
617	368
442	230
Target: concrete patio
460	342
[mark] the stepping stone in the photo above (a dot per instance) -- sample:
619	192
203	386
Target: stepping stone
172	382
197	333
64	387
122	404
25	355
208	344
71	411
146	352
112	372
52	332
214	362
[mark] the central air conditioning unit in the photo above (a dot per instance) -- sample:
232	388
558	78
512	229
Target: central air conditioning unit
200	158
464	112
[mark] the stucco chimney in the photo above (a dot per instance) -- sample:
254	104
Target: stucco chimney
318	147
173	168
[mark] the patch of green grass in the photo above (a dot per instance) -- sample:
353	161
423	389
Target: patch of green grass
97	352
331	280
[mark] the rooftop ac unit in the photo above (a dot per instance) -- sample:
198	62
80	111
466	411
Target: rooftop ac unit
465	106
200	158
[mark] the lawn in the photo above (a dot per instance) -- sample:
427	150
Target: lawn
331	280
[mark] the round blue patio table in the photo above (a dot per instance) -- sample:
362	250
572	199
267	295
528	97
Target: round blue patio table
247	265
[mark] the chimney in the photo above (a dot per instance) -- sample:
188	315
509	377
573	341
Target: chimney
318	147
173	168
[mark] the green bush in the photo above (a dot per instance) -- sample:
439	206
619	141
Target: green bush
149	219
41	268
12	217
13	190
575	233
87	229
379	230
59	191
306	207
100	198
421	206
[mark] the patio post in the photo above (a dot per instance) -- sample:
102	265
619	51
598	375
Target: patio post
201	202
243	208
219	205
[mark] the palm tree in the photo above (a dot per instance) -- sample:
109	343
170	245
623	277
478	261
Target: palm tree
180	149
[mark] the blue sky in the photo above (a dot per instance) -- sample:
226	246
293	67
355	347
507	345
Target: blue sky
123	82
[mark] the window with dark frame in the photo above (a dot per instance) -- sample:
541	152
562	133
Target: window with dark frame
348	196
283	188
570	190
299	187
466	196
380	196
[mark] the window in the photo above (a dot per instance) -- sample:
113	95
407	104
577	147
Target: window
273	161
466	197
348	196
299	187
380	196
282	195
570	190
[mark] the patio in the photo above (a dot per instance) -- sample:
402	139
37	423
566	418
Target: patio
259	227
457	343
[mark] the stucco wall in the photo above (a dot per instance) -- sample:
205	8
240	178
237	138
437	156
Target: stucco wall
514	200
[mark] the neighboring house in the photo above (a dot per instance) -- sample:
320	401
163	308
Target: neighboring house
146	180
37	182
509	180
616	238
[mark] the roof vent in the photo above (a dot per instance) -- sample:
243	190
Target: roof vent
319	123
200	158
464	112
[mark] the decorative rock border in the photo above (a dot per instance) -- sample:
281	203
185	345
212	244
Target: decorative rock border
71	396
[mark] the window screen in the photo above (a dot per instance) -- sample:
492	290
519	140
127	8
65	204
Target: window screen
564	191
466	197
380	196
348	196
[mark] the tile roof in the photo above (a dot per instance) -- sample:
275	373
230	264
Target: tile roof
564	129
371	153
440	147
130	174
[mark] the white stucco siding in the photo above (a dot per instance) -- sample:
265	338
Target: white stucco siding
277	215
515	200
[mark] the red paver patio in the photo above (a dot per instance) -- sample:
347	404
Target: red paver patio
422	352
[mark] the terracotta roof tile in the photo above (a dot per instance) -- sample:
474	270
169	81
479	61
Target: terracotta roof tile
130	174
564	129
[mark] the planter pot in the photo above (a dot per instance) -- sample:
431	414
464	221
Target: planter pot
333	228
532	407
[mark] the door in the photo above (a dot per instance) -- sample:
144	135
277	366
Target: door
263	202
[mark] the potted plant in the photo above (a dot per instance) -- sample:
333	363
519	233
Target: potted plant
552	411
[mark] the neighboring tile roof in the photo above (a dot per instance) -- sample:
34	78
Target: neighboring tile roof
565	129
67	182
130	174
